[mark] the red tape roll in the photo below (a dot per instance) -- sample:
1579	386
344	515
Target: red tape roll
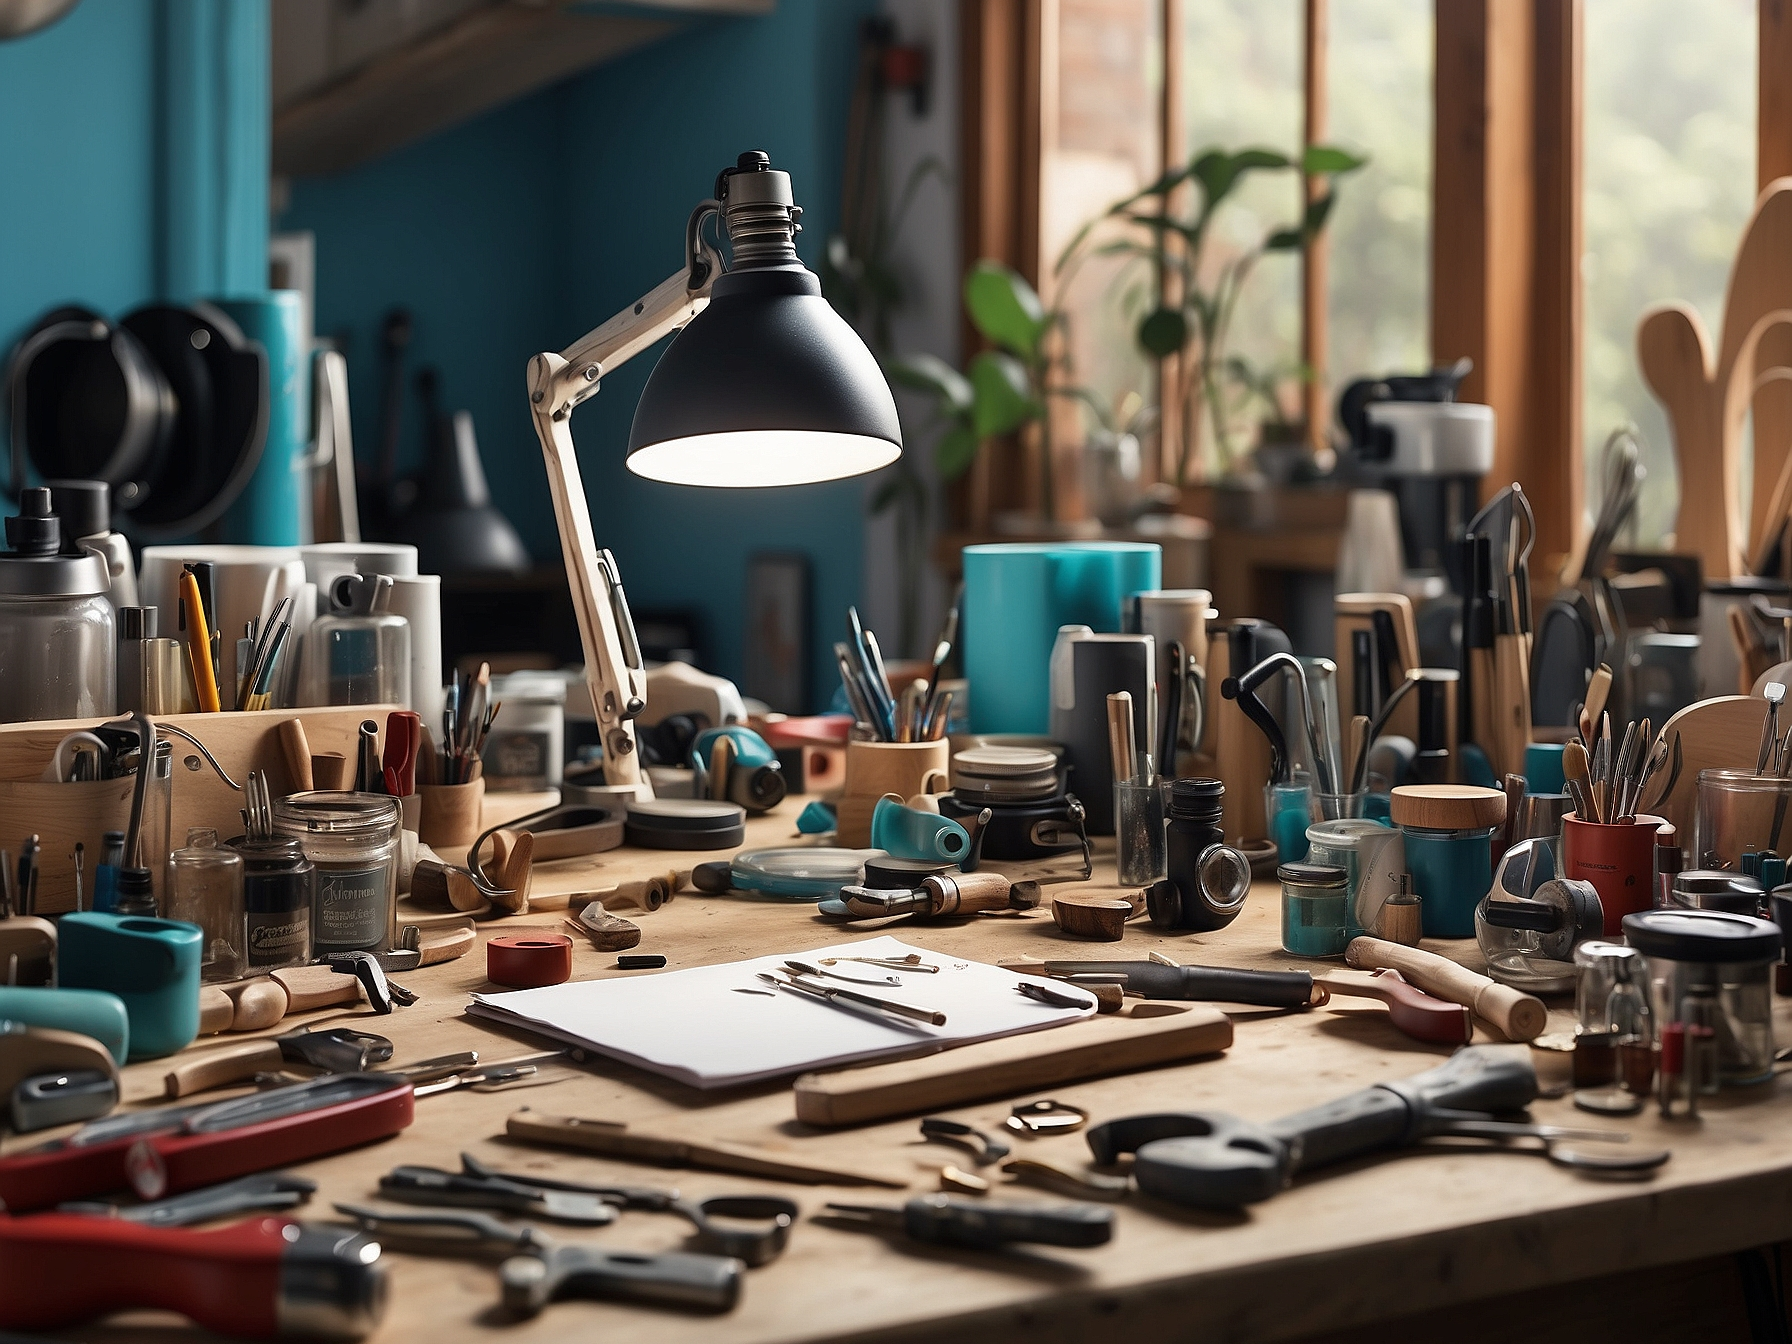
529	963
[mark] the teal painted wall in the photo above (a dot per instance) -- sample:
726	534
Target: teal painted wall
522	230
133	159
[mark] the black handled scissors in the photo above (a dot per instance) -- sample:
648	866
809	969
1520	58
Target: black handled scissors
753	1228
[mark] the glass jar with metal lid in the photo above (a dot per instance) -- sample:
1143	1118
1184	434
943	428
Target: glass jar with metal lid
1708	952
58	639
352	839
278	891
1315	909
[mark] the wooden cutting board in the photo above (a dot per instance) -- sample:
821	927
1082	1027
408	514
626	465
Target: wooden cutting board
1719	734
1092	1048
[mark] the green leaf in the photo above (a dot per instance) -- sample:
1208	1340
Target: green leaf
1163	332
955	452
1284	240
1247	159
1318	210
1004	308
1321	159
1003	397
930	373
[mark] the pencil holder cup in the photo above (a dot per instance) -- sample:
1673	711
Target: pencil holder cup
1140	841
451	813
1619	861
1740	813
876	768
908	833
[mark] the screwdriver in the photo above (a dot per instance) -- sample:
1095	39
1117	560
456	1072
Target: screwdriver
946	1220
254	1280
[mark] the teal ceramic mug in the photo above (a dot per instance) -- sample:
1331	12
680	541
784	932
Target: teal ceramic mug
152	965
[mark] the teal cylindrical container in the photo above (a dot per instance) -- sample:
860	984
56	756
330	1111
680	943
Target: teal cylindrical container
1287	807
275	506
1543	767
1016	595
1449	850
152	965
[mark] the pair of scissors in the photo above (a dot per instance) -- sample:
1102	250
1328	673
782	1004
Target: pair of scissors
751	1228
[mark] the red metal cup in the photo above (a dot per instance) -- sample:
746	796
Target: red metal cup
1619	860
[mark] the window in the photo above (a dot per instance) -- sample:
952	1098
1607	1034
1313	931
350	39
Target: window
1669	180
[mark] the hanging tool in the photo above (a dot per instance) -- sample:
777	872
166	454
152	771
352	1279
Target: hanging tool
1243	690
258	1279
539	1271
945	1220
184	1148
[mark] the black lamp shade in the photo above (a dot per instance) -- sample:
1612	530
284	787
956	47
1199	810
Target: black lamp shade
766	386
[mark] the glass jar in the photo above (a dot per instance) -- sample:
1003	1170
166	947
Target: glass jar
1611	994
1449	850
1139	839
360	653
205	887
278	889
1287	809
1699	954
58	632
1315	909
352	840
525	751
1206	879
1372	854
1740	813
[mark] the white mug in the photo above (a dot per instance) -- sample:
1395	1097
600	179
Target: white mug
248	582
324	560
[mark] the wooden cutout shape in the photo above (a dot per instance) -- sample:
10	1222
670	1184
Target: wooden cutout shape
1707	396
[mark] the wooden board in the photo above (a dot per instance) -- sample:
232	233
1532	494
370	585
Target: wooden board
1095	1048
1369	1243
61	814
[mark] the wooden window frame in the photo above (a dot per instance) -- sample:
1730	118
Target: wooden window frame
1506	236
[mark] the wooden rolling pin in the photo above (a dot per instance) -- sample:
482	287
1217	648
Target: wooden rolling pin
1520	1016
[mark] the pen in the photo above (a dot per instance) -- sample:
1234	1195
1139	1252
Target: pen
205	678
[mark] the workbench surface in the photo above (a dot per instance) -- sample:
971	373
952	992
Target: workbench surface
1347	1247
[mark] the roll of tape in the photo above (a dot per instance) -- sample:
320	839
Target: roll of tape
529	963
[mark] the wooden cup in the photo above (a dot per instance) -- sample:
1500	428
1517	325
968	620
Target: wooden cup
876	768
451	813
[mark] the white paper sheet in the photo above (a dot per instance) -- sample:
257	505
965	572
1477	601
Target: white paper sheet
693	1026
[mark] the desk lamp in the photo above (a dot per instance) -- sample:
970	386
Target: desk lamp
765	385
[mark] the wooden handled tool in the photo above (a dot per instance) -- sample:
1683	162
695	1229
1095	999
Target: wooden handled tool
1120	736
1520	1016
296	748
1014	1065
611	1138
1414	1012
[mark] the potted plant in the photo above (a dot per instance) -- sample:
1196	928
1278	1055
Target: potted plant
1003	389
1197	324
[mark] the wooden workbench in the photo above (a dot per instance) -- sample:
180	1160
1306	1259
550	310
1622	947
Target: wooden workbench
1431	1237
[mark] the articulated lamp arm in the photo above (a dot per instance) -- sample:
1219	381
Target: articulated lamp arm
614	669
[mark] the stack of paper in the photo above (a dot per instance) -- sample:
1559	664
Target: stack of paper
699	1027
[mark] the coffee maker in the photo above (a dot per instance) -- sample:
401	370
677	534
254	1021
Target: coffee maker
1410	436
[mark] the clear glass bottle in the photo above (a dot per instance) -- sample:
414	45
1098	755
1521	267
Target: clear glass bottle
352	839
205	887
359	653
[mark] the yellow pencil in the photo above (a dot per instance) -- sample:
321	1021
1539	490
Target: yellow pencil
199	645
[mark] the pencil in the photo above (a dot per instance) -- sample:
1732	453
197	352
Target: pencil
199	645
